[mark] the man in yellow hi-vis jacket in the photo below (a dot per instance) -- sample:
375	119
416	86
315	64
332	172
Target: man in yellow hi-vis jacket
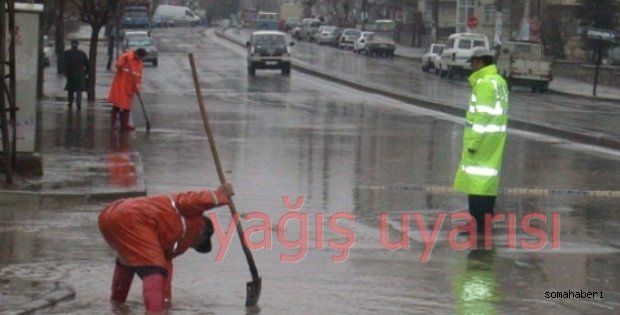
484	137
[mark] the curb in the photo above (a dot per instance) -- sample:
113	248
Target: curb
600	140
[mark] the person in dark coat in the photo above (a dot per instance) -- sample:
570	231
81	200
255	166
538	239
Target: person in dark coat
76	69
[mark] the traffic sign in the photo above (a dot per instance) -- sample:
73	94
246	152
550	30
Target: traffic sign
598	33
472	22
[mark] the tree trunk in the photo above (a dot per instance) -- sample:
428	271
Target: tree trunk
92	61
60	37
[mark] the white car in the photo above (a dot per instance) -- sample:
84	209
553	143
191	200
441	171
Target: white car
359	45
457	51
348	38
431	55
325	35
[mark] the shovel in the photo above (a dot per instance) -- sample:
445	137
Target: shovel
253	287
133	80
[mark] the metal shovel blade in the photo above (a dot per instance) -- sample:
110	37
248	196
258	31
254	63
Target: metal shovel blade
253	292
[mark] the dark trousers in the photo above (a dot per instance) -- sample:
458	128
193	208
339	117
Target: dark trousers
78	97
479	206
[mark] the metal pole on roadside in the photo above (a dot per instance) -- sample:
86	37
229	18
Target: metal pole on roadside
364	14
6	147
435	19
599	59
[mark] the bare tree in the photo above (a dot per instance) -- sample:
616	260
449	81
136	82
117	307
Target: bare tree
96	13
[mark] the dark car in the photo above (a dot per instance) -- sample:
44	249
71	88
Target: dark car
269	50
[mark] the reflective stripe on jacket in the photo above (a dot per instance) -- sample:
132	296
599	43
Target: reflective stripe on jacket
485	134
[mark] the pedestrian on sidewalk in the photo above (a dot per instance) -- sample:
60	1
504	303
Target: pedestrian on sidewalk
484	137
76	71
148	232
125	84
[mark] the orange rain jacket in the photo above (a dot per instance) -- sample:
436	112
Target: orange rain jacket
143	230
123	88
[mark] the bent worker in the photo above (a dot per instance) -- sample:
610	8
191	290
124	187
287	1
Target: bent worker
148	232
125	84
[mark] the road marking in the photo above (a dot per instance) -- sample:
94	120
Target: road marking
504	191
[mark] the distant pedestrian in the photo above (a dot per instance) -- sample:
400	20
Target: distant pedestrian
125	84
76	72
484	137
148	232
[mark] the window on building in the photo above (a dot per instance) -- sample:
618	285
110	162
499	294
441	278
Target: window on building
489	14
464	9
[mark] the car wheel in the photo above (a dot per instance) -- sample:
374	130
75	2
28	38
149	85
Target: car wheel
543	87
450	72
251	70
155	63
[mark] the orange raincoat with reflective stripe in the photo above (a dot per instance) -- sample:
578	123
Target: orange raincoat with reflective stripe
123	87
143	230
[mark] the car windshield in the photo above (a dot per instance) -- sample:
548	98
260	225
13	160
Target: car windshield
135	14
479	43
269	40
329	29
368	35
140	42
437	49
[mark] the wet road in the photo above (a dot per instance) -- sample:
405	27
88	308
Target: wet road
405	76
350	155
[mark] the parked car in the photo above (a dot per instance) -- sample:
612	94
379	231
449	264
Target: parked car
291	23
429	58
307	30
178	14
457	51
380	46
348	38
359	45
336	39
269	50
325	34
148	44
162	21
523	63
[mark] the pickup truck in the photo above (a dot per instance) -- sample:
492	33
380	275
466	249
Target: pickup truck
522	63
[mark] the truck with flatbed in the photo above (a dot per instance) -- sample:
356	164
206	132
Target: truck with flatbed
523	63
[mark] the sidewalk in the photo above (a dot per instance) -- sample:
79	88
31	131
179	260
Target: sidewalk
559	84
83	162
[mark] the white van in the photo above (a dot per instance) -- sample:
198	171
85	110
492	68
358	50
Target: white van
178	14
457	51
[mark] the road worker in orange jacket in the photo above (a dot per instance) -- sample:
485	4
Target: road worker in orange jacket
125	84
148	232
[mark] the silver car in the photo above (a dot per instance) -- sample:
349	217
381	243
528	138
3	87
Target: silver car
148	44
348	37
325	35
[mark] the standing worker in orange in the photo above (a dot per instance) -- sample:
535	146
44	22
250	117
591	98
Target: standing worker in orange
126	83
148	232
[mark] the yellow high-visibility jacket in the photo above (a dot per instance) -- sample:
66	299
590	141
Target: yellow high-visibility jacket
484	137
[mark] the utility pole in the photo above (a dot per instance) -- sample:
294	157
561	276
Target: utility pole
364	14
435	19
